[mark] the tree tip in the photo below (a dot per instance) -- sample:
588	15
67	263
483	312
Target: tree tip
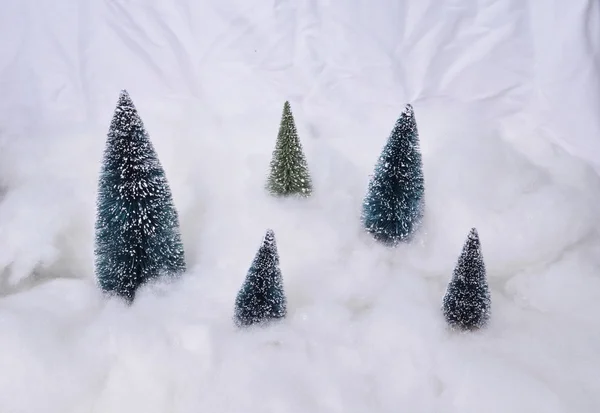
473	234
124	97
269	237
270	233
408	109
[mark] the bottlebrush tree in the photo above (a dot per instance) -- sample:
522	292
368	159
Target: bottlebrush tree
393	207
137	225
467	301
262	298
289	173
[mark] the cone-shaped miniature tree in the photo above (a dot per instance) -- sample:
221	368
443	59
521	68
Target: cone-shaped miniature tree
262	298
393	207
289	171
466	305
137	226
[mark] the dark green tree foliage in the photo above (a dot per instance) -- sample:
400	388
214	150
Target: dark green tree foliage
262	298
467	301
137	227
393	206
289	171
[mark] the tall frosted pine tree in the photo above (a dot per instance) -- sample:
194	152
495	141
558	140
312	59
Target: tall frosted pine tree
393	207
137	226
467	301
262	298
289	170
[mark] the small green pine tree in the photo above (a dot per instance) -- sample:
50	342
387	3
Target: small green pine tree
467	301
289	171
393	207
262	298
137	227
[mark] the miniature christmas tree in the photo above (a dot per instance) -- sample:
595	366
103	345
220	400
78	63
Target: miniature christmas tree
262	298
393	207
137	227
467	301
289	171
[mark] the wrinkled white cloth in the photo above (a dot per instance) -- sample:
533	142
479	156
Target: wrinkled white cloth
63	61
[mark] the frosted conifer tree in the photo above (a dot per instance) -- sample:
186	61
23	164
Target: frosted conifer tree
289	171
137	226
262	297
466	304
393	206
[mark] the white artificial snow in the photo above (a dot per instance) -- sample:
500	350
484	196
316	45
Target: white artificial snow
506	99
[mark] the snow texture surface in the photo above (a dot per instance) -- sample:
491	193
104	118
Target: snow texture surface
506	96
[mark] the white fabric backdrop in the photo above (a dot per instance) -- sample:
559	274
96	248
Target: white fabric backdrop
65	61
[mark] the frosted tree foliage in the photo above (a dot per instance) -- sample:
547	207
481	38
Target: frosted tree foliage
466	304
262	298
393	207
137	228
289	171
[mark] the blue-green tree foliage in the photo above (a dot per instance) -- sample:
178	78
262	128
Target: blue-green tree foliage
262	298
467	301
137	226
393	207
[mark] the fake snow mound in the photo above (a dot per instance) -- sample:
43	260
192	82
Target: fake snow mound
506	98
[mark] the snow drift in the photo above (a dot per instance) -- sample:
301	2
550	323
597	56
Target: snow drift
506	99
